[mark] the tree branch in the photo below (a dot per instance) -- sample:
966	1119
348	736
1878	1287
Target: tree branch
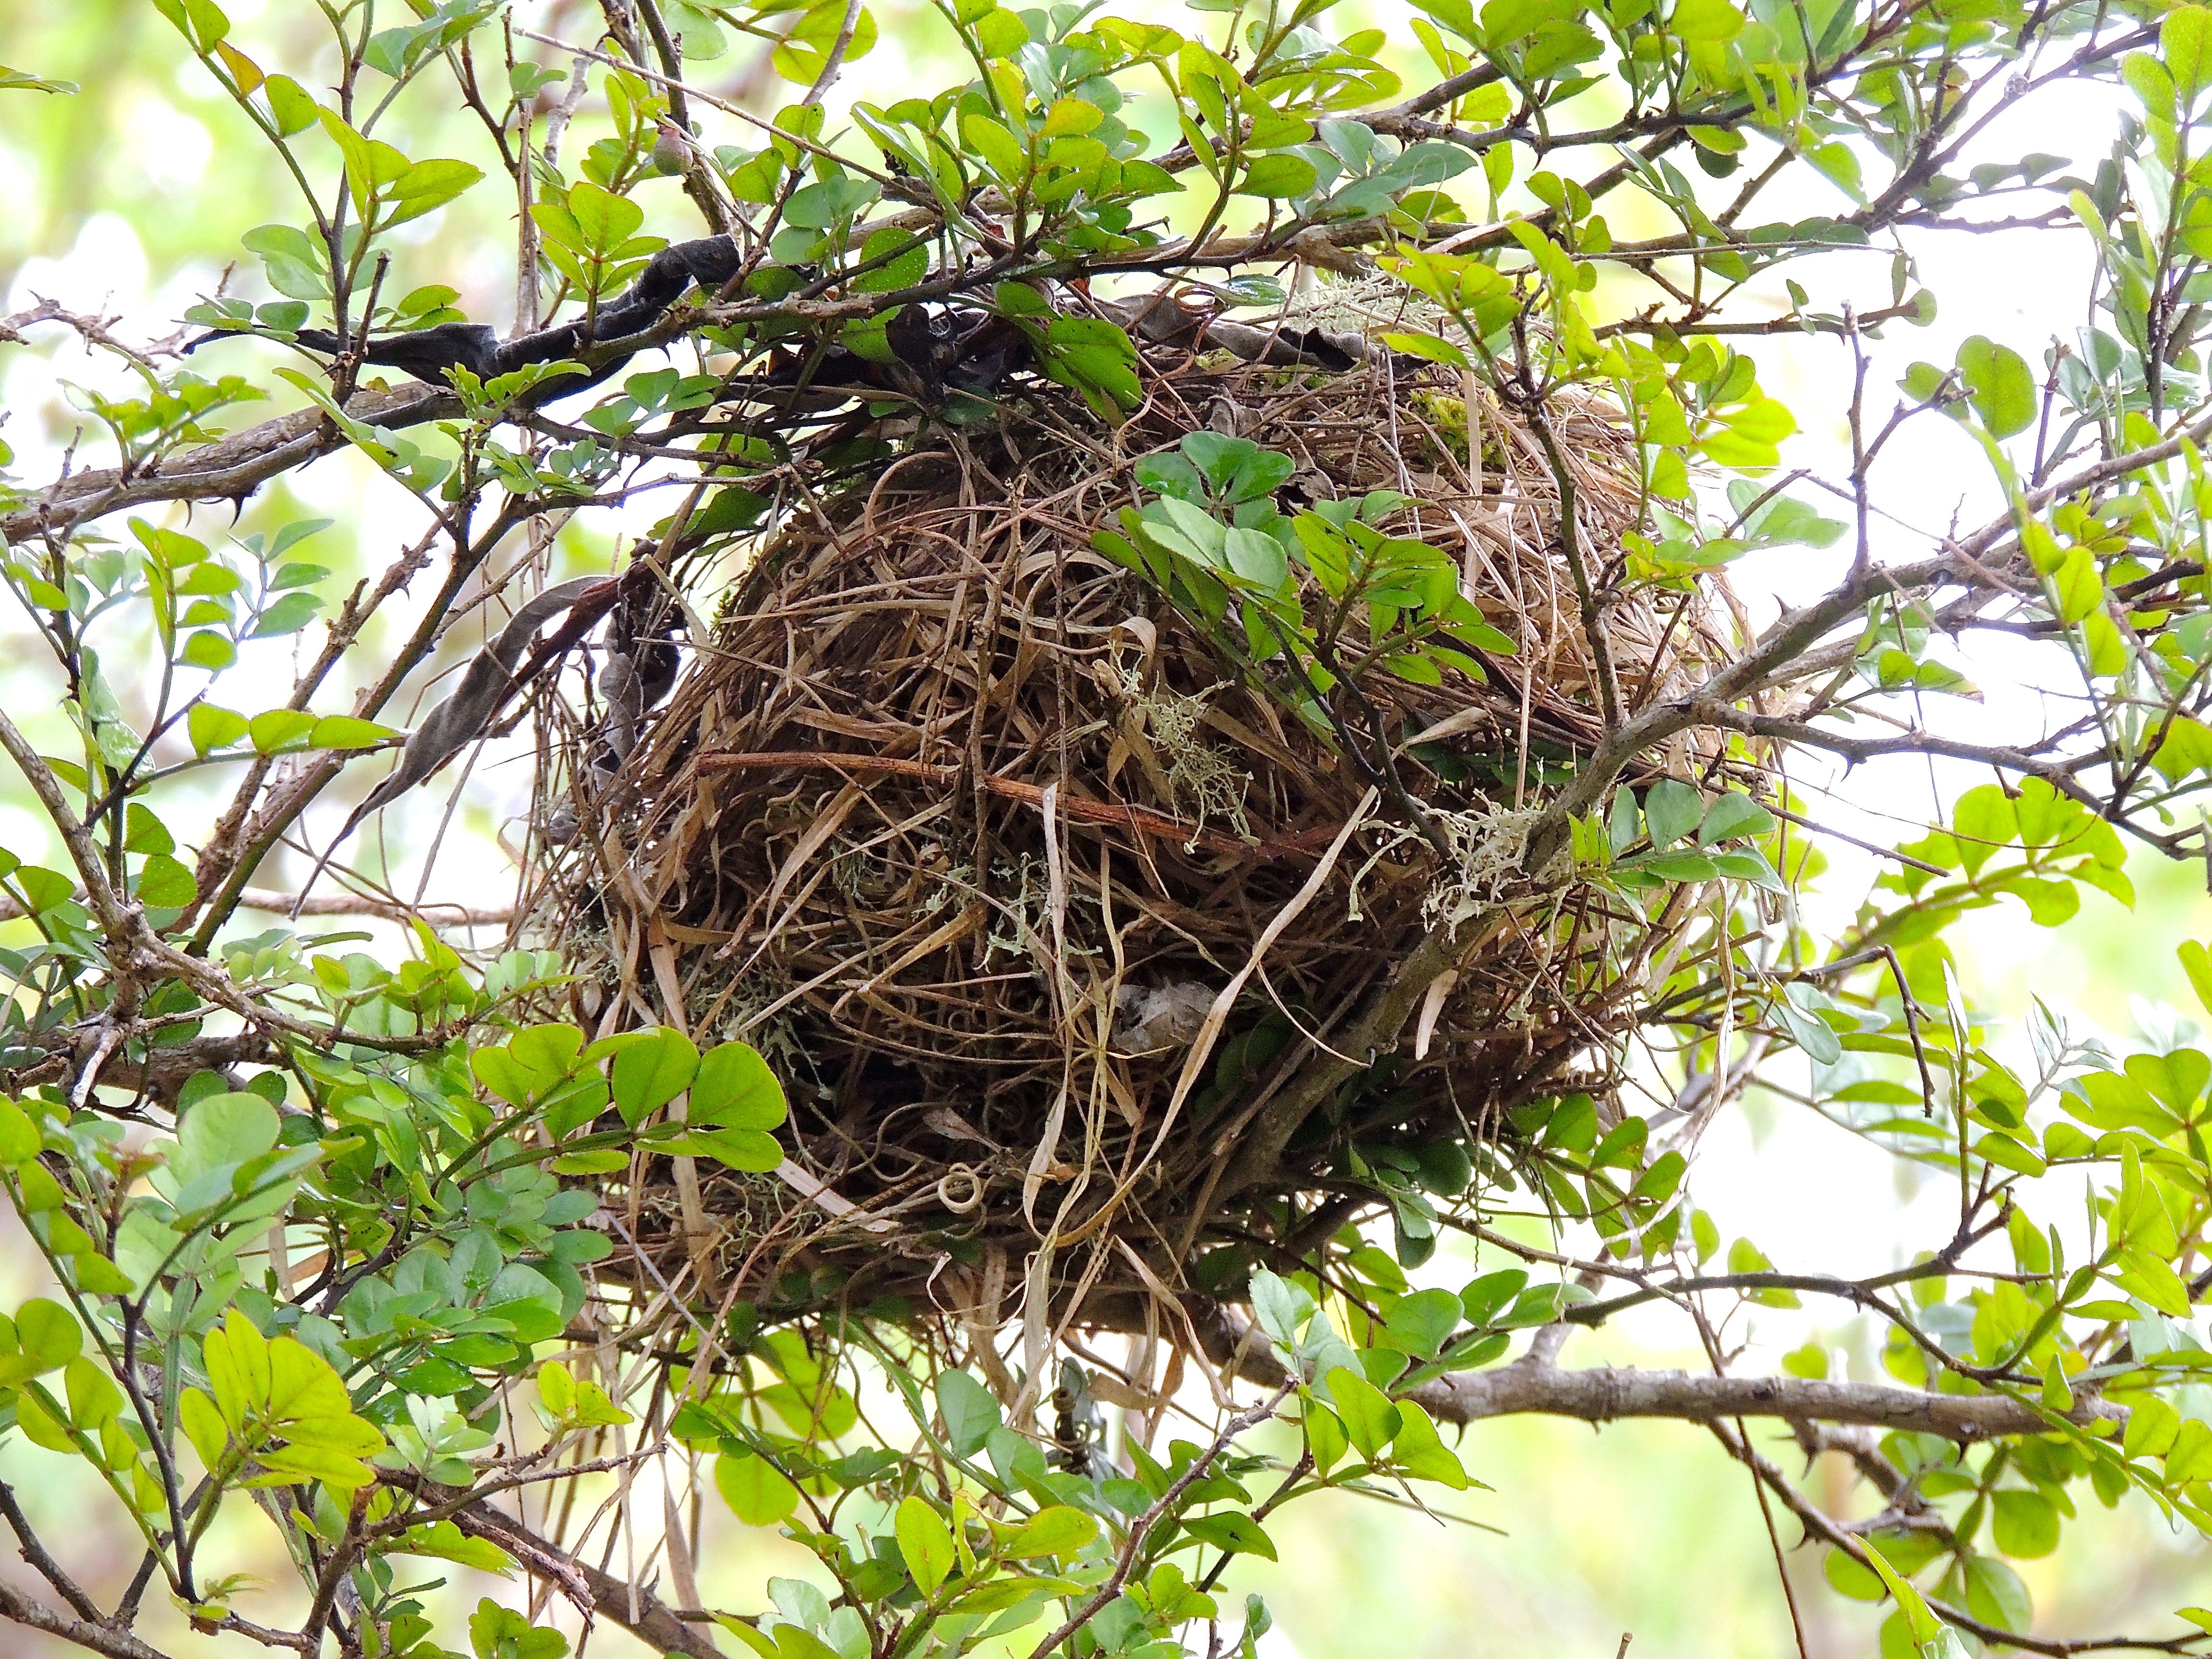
36	1553
233	467
1602	1396
98	1638
635	1608
1818	1525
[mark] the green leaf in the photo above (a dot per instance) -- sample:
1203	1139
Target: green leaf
1259	558
2024	1523
758	1493
1434	347
1748	866
280	729
1706	22
1732	816
1810	1361
1370	1419
733	1089
444	1542
556	1387
1999	385
19	1137
968	1409
427	185
2197	962
2151	81
2155	1282
309	1398
1059	1530
1424	1321
925	1543
590	1163
2185	43
1070	116
2153	1427
740	1149
48	1333
144	833
1995	1595
1540	1304
1277	176
288	102
290	613
1847	1578
203	1425
211	727
605	220
1657	1184
209	650
650	1070
1420	1452
1001	32
44	889
1671	809
1919	1620
166	883
1484	1298
1094	356
343	732
1809	1031
829	204
907	262
1839	163
12	80
1240	1535
988	139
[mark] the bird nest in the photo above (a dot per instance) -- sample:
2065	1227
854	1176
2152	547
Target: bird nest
1035	900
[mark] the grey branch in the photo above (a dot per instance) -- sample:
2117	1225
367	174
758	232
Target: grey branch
233	467
99	1638
1602	1394
635	1608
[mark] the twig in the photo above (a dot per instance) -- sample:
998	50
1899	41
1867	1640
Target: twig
1818	1523
36	1553
1162	1507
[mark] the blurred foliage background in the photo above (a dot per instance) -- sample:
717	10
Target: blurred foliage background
131	194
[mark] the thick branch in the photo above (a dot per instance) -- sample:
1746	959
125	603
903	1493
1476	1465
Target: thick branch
98	1638
230	469
1603	1394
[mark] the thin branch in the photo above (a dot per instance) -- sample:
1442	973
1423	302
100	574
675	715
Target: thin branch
36	1553
1819	1525
1162	1507
633	1607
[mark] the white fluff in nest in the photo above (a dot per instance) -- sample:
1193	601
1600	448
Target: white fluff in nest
1148	1018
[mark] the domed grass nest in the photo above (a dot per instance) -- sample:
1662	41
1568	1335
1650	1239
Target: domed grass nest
1037	900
